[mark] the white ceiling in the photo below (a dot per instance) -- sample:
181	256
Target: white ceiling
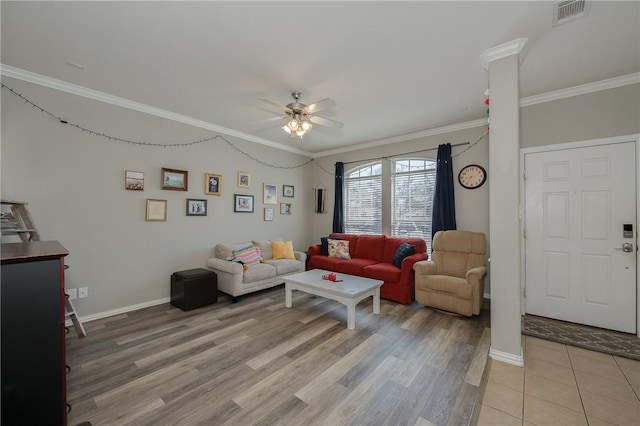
393	68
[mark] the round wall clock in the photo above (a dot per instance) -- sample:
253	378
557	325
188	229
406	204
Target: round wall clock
472	176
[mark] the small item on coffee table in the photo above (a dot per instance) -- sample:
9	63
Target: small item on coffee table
331	277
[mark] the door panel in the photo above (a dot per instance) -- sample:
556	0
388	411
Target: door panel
576	202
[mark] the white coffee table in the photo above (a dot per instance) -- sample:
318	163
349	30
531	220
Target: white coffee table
349	291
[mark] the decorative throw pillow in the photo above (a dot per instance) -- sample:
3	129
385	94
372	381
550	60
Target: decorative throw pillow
282	249
403	251
248	255
339	248
324	244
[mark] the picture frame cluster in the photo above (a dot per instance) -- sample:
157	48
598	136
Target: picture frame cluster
172	179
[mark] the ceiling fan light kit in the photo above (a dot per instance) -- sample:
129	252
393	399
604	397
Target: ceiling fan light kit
299	125
300	116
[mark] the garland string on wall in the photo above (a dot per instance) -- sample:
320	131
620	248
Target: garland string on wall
212	138
147	144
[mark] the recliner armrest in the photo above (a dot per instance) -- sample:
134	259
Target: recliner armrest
425	267
476	273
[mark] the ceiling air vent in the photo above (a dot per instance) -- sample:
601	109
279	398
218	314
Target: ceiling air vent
569	10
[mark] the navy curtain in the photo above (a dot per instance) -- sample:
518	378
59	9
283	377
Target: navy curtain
444	206
338	205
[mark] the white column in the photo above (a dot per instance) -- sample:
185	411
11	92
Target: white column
503	64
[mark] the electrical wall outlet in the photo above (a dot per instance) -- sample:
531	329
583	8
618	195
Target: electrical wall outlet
83	292
72	292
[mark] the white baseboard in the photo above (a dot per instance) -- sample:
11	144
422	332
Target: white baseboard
517	360
99	315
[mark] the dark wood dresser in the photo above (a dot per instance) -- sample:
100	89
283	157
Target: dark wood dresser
33	335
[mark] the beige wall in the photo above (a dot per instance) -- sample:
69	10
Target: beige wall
74	184
471	205
613	112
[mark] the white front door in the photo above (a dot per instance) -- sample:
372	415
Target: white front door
577	203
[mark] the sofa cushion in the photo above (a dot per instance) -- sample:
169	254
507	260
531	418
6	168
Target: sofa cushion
324	245
339	249
323	262
370	247
352	238
265	249
448	285
403	251
248	256
391	245
282	249
382	271
258	272
353	266
285	266
225	251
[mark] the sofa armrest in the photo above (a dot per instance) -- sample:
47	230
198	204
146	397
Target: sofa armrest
300	256
314	249
424	267
222	265
409	261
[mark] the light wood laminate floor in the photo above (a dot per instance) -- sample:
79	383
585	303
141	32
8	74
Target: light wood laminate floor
257	362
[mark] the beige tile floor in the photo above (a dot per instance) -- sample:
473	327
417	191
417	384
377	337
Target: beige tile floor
561	385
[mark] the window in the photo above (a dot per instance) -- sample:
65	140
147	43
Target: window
412	186
363	200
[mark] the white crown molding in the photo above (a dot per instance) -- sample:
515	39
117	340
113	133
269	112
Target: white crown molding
517	360
406	137
514	47
42	80
77	90
583	89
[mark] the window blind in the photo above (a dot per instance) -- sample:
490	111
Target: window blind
413	185
363	200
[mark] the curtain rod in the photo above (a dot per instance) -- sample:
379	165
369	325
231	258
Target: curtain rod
407	153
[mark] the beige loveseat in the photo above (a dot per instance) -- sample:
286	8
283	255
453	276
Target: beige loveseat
236	279
453	280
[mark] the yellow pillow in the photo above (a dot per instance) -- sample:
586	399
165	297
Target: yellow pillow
282	249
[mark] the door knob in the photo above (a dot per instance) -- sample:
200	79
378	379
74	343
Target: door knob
626	247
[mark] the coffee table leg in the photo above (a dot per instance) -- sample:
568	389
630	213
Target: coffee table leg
288	295
376	301
351	315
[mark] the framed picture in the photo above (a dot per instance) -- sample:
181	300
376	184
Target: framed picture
270	194
175	180
268	214
196	207
212	184
156	210
133	181
285	208
242	203
287	191
244	180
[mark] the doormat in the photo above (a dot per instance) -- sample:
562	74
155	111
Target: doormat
583	336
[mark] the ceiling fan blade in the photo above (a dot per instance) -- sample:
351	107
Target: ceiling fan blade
320	105
275	104
326	122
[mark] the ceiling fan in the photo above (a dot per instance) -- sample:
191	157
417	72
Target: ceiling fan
300	116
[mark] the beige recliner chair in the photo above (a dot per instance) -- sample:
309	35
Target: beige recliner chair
453	279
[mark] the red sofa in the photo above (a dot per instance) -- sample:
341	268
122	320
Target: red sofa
371	257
